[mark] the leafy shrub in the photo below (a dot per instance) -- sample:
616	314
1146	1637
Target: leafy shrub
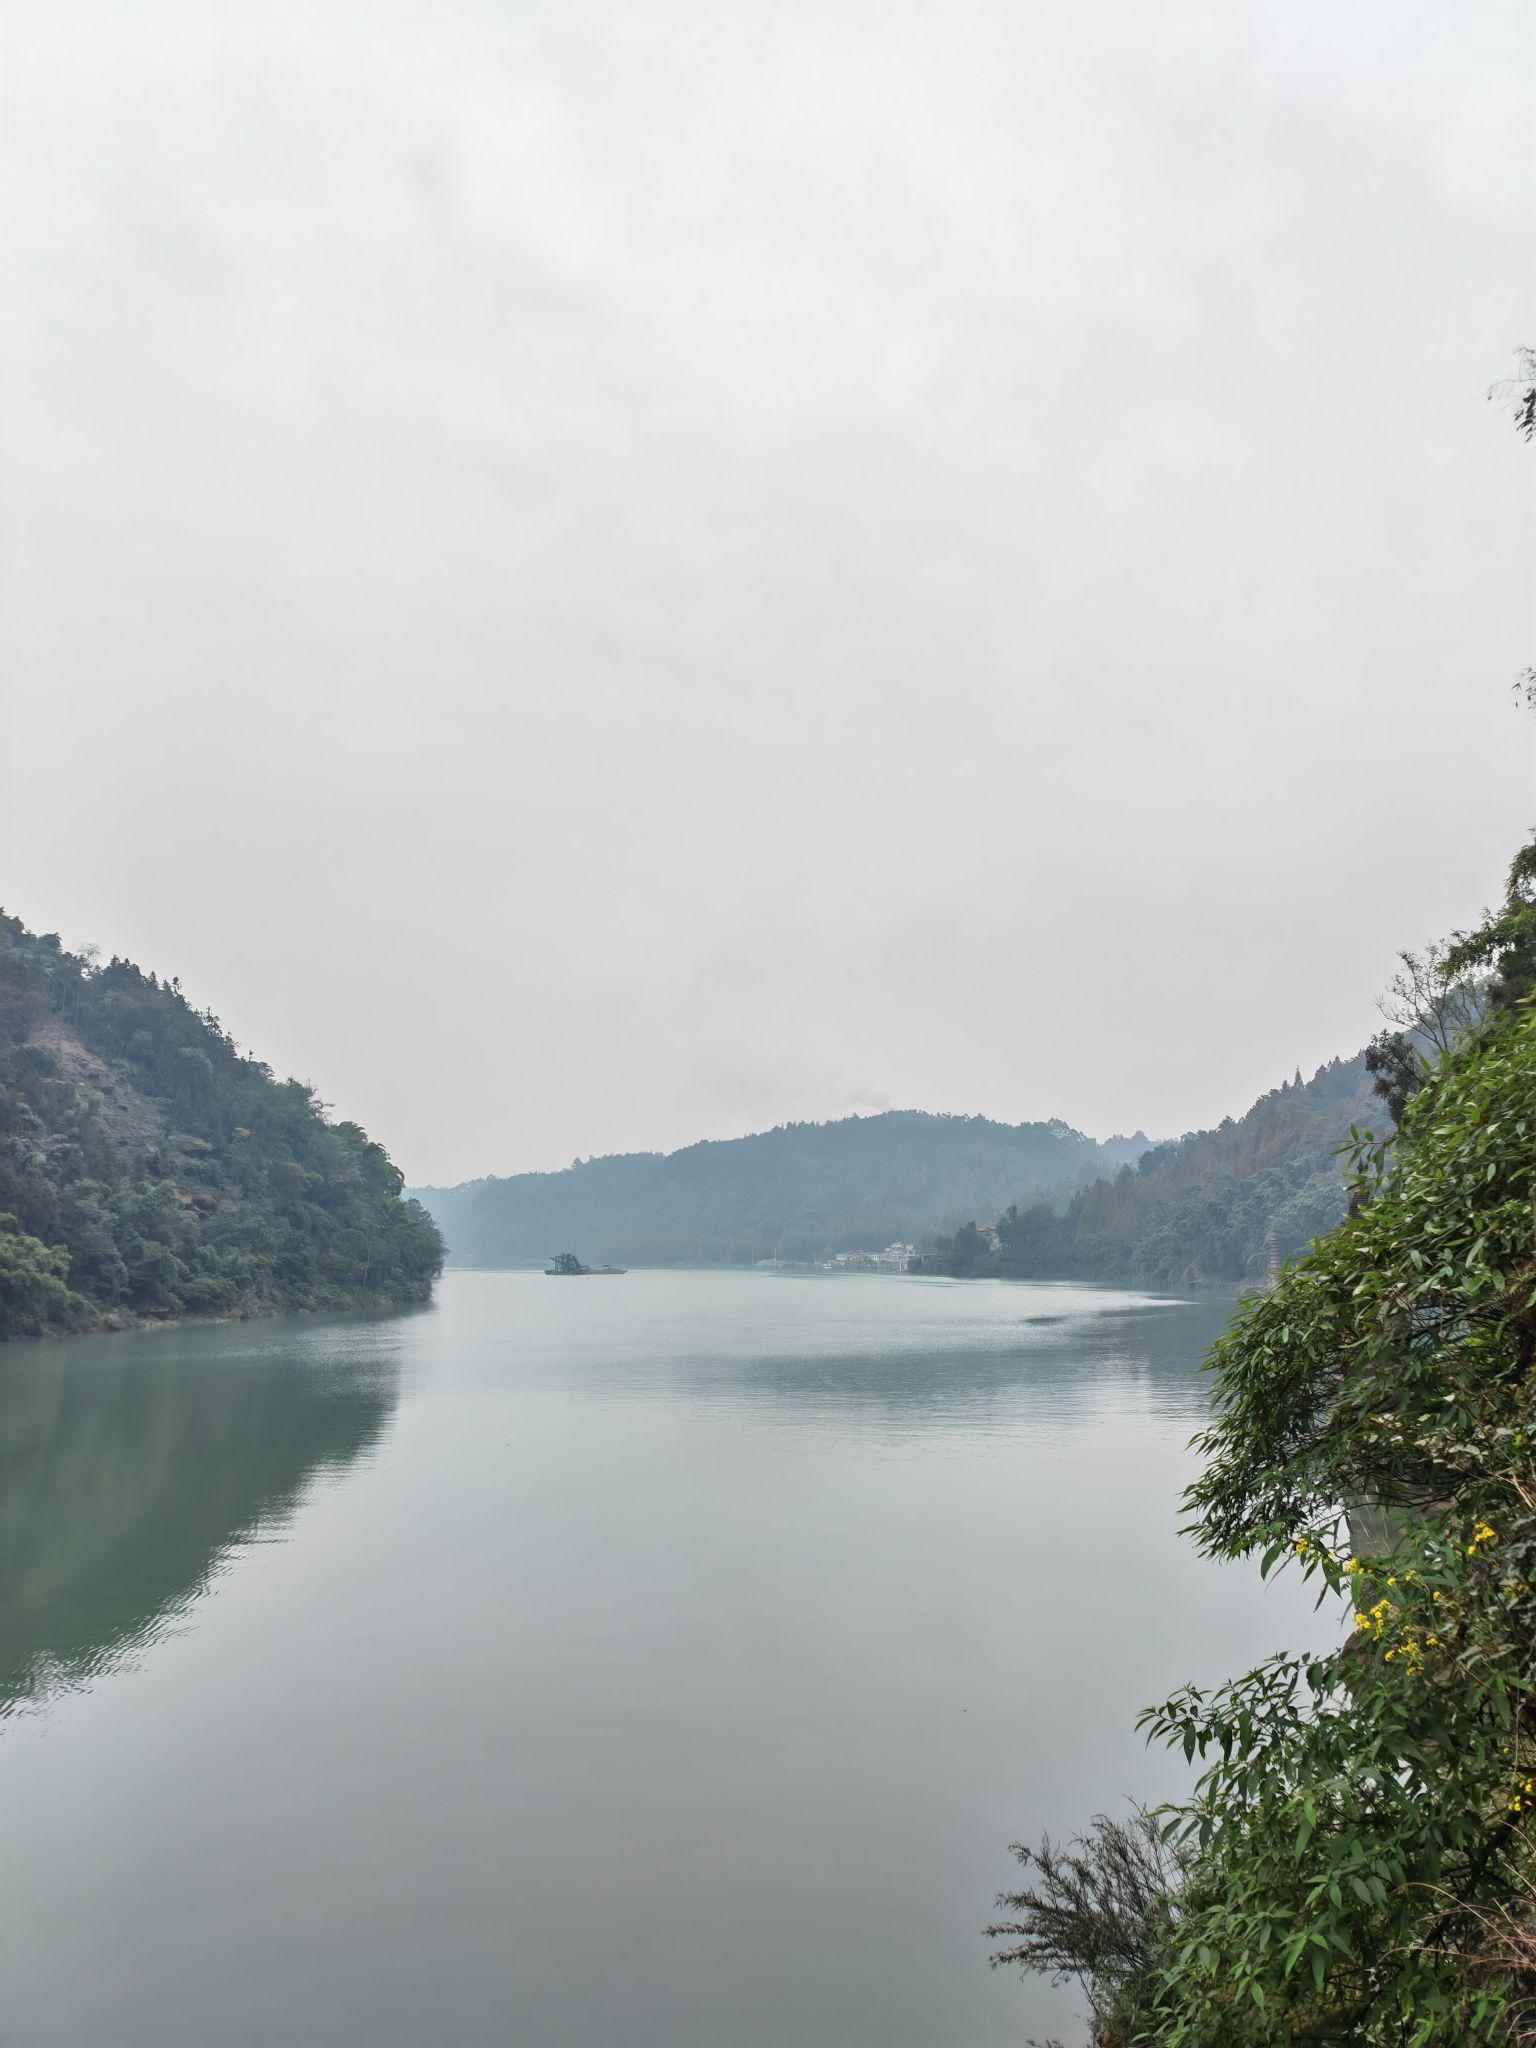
1359	1861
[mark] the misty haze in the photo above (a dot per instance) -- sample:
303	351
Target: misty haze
767	1056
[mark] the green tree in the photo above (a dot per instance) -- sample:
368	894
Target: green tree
34	1290
1359	1860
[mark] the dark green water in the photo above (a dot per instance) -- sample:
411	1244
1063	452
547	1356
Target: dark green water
663	1662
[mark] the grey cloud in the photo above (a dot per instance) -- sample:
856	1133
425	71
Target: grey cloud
586	573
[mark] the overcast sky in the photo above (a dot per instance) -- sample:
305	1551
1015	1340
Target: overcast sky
592	576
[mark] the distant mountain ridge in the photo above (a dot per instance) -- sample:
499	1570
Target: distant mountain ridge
800	1191
1215	1208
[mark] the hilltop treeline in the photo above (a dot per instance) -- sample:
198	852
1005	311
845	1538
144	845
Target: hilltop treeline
1219	1207
148	1169
798	1192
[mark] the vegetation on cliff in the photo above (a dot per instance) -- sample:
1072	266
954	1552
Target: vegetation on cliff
1358	1861
149	1170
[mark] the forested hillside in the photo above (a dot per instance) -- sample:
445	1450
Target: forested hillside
1217	1208
798	1192
149	1170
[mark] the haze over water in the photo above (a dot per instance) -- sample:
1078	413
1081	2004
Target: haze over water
666	1660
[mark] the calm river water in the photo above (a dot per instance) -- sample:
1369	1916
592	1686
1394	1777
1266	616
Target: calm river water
658	1662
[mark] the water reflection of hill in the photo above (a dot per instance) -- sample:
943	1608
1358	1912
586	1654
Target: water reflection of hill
131	1466
903	1355
1068	1363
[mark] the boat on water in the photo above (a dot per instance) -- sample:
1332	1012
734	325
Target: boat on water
566	1266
